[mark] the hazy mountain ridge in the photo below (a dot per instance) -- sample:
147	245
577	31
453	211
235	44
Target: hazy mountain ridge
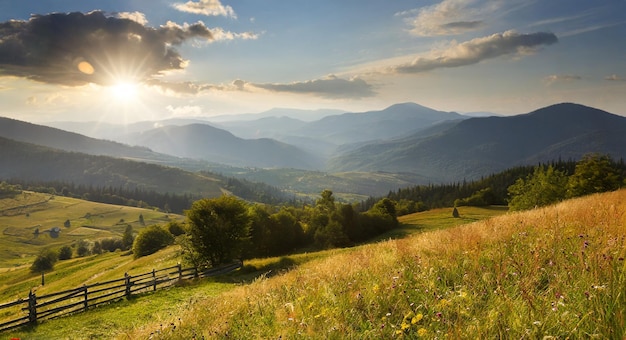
40	163
479	146
69	141
431	146
201	141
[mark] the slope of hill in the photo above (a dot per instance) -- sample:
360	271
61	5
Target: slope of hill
39	163
479	146
209	143
24	213
554	272
70	141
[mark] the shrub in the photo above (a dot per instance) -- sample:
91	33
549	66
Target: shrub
175	228
65	253
150	240
45	261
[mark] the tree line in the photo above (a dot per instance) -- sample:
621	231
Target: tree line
489	190
219	230
546	185
222	229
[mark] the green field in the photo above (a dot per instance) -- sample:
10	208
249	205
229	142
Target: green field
125	317
554	272
27	212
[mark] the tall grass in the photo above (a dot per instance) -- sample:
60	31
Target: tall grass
555	272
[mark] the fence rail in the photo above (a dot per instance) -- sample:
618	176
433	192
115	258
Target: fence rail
35	308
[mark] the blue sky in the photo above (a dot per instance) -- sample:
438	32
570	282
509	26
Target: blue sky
126	61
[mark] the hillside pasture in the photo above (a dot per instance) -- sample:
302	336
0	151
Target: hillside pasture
554	272
26	213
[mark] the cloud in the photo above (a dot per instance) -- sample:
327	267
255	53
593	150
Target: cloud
220	34
185	111
206	7
49	48
137	17
561	78
477	50
75	49
191	88
450	17
329	87
614	77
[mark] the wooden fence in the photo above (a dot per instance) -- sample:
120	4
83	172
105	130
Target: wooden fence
35	308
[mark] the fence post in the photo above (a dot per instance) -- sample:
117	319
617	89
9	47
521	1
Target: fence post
128	283
86	297
154	281
180	271
32	307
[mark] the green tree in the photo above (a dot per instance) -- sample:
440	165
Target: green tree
543	187
175	228
82	248
387	208
285	232
65	253
128	238
188	252
327	202
594	173
97	248
44	261
150	240
259	244
219	228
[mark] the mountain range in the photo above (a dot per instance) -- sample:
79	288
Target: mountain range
402	142
480	146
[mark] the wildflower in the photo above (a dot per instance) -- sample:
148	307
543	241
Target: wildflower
405	326
417	318
422	332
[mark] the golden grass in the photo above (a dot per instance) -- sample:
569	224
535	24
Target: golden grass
552	272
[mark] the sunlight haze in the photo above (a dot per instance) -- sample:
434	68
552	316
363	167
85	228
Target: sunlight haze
122	61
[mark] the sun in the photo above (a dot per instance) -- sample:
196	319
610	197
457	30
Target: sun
124	91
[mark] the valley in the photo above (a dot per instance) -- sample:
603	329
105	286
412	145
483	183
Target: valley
356	154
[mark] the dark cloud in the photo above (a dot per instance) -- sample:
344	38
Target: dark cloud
49	48
329	87
479	49
462	25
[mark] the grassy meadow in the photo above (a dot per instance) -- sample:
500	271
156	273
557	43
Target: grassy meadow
22	215
554	272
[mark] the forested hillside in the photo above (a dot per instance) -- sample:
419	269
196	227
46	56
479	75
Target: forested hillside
119	181
477	147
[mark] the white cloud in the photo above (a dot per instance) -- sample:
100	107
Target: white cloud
206	7
615	77
137	17
551	79
221	34
477	50
451	17
185	111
